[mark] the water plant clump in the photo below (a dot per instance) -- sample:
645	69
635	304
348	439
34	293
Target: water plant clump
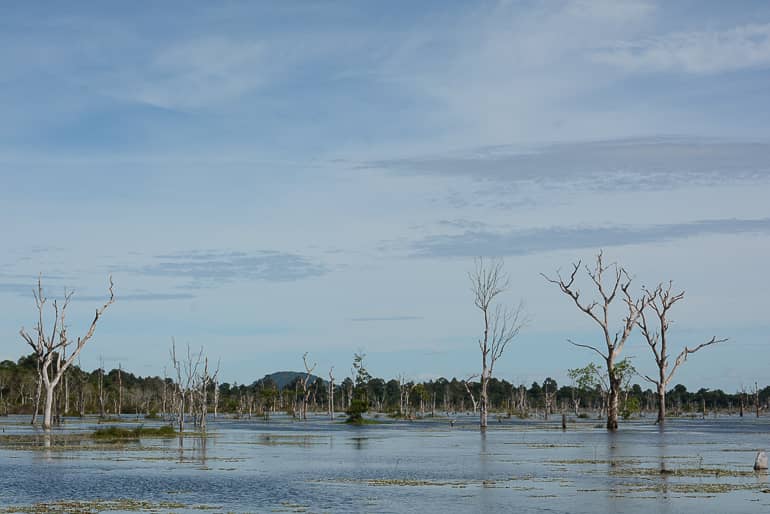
113	432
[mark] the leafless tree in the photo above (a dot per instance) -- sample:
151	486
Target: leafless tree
119	410
216	393
304	383
599	311
201	383
404	387
186	370
501	324
100	384
661	300
331	393
48	346
466	382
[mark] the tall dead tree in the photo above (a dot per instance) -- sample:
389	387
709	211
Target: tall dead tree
501	324
119	409
466	382
48	346
304	382
331	393
186	370
100	387
202	381
660	301
619	282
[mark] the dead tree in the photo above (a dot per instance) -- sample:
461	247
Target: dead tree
202	381
619	283
403	394
470	392
119	409
48	346
186	372
331	393
756	398
661	300
100	386
305	390
216	394
501	324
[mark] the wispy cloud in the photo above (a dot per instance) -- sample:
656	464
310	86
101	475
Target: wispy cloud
630	164
209	268
198	72
527	242
702	52
17	288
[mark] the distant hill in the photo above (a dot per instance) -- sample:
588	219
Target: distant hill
284	378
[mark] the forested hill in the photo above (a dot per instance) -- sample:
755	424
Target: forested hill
284	378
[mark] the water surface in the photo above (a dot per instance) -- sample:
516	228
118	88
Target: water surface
412	467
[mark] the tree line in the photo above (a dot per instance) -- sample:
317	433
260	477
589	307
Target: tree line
194	386
110	392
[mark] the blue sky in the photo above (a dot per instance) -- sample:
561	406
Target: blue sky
266	179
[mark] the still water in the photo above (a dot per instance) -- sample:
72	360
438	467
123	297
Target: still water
695	465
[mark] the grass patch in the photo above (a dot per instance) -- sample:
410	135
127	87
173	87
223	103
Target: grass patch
113	433
94	506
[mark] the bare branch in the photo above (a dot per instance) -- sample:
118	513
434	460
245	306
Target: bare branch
589	347
682	357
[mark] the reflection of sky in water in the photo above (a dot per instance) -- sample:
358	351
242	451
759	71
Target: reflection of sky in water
522	466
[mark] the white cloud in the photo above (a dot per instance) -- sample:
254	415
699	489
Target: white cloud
200	72
706	52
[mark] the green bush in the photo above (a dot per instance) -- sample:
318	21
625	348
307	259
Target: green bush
356	411
630	408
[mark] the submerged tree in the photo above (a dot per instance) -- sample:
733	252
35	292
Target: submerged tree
52	346
599	311
595	377
661	300
359	404
304	383
501	324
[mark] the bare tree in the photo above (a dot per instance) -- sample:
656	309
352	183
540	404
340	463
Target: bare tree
599	311
186	371
331	393
119	409
49	346
501	324
100	386
304	382
661	300
201	383
466	383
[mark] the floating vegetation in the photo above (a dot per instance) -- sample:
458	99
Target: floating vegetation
95	506
683	472
614	462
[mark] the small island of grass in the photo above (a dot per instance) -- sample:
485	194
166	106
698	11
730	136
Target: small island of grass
119	433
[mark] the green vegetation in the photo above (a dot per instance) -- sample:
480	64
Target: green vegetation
89	507
383	395
115	433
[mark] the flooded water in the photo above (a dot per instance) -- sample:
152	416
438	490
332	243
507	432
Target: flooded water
421	466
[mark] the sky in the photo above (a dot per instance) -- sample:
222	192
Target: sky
265	179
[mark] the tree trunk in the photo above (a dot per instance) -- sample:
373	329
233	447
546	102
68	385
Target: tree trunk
614	393
38	392
661	404
483	400
48	408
